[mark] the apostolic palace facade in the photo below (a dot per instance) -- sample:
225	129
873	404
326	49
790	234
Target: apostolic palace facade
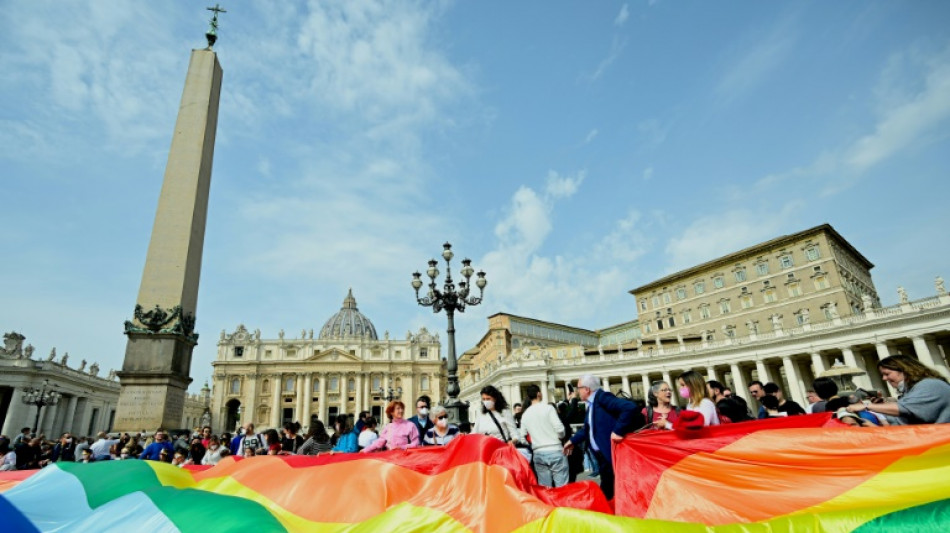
786	310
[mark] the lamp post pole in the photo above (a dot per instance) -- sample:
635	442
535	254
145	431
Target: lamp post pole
40	398
451	300
394	394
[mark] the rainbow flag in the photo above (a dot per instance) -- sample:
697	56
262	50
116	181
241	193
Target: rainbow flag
760	476
802	473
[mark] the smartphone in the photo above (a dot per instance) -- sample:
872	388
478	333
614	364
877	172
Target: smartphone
570	388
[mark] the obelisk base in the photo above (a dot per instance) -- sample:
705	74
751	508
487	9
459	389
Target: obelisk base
154	380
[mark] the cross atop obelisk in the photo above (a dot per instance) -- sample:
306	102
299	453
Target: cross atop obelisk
156	370
212	33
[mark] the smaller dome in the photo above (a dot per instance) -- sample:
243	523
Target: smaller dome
348	322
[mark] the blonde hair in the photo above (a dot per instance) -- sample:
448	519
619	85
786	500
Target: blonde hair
696	385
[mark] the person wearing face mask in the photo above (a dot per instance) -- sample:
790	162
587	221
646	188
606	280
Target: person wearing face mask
441	432
421	418
692	386
923	394
660	411
496	420
215	451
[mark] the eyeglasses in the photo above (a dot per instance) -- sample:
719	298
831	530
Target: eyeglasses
443	417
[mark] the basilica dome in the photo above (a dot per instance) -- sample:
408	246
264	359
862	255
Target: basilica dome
348	322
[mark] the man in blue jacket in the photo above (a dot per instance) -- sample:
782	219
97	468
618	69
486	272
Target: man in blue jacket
607	420
153	451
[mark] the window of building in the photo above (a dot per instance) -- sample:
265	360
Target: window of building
730	332
827	311
238	351
289	384
656	301
235	386
762	268
265	387
769	295
794	289
643	305
724	306
704	311
334	384
667	298
699	287
799	318
821	282
397	354
316	385
377	383
351	385
786	261
424	383
646	328
423	353
719	282
746	301
681	293
671	322
686	317
740	275
268	354
812	253
659	324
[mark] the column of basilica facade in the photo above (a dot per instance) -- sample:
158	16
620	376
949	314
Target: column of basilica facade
346	368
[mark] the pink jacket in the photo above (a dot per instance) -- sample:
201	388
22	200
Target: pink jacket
398	434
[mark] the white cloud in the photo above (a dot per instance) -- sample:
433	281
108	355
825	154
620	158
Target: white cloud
911	100
616	47
715	235
558	186
905	120
591	135
577	286
755	62
622	16
648	174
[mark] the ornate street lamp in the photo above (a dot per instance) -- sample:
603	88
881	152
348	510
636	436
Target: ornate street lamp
40	398
394	394
451	300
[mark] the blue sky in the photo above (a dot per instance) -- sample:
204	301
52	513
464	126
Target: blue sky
573	150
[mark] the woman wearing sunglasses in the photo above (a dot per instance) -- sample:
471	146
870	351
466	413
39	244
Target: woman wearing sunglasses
441	432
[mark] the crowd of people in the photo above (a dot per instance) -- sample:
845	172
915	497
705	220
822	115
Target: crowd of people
543	432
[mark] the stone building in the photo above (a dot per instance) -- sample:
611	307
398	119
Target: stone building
345	369
87	400
786	311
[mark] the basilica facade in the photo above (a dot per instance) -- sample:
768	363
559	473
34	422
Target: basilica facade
346	368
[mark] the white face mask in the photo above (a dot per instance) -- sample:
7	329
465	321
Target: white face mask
442	422
489	404
424	411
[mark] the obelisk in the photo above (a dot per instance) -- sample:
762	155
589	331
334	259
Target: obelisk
156	372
